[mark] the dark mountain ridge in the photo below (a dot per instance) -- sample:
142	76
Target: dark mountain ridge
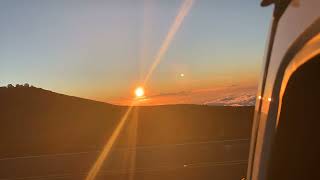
39	122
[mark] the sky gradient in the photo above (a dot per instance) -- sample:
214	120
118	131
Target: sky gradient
103	49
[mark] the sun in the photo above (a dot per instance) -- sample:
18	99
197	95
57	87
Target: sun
139	92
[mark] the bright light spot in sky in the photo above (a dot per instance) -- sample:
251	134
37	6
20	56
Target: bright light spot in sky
139	92
181	75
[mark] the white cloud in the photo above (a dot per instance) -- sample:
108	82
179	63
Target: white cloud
234	100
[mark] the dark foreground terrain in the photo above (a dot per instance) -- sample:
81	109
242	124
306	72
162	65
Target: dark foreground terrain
44	135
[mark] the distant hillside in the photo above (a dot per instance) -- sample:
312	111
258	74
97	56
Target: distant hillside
42	132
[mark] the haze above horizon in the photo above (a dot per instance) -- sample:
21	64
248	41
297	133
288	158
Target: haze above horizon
102	50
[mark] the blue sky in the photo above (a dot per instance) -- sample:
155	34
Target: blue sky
100	49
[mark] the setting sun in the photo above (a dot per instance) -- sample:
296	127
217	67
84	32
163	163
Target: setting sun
139	92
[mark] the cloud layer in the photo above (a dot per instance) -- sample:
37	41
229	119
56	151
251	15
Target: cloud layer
234	100
218	96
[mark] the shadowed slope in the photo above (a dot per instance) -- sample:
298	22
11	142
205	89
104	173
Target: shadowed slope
68	133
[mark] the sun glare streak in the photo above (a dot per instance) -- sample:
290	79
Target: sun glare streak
133	143
186	6
108	146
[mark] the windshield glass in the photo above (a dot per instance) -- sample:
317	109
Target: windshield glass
123	89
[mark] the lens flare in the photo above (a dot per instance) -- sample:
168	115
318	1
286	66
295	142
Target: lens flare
186	6
108	146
